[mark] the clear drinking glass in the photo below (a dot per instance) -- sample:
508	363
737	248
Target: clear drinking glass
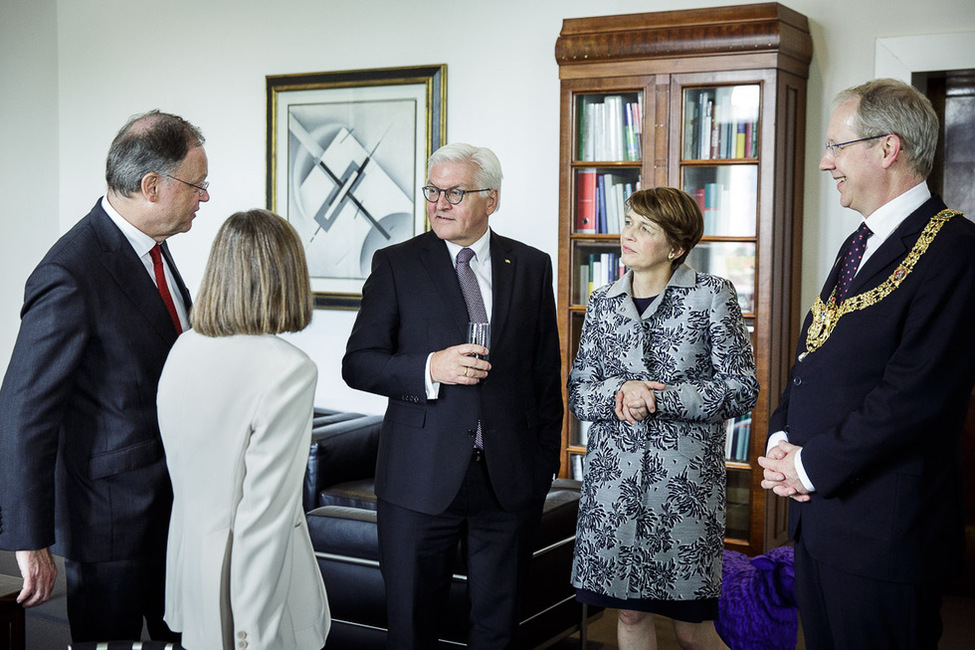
479	333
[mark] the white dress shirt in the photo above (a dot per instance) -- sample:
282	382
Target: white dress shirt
481	265
142	243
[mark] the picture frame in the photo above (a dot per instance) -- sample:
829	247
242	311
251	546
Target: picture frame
346	161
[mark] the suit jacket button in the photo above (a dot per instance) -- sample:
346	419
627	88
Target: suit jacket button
242	635
797	381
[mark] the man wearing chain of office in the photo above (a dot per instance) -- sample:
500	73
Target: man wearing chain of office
866	438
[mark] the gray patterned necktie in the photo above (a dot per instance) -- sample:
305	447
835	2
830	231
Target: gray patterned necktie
475	307
470	288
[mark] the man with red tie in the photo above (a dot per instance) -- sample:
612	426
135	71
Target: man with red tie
81	461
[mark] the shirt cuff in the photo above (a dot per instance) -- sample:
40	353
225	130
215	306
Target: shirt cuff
801	472
433	387
776	438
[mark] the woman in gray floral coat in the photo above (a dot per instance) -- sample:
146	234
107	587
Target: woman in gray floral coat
664	360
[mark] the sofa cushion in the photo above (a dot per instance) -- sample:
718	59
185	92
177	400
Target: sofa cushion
344	532
360	493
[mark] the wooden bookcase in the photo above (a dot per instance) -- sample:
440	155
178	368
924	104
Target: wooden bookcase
712	101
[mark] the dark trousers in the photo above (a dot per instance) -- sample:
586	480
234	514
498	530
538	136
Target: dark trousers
108	601
417	554
843	611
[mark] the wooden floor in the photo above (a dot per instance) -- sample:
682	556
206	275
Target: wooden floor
602	635
957	613
47	625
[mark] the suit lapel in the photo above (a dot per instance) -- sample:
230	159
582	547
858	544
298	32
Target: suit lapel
503	266
896	247
436	261
180	286
834	273
126	269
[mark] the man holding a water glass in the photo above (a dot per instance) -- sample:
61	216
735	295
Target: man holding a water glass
457	328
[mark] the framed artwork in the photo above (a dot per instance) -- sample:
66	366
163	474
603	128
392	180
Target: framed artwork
346	159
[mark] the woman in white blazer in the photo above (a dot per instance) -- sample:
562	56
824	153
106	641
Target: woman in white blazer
235	410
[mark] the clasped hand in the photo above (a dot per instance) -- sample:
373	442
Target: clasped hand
458	365
780	473
635	400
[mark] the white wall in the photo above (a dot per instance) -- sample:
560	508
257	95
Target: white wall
206	60
29	165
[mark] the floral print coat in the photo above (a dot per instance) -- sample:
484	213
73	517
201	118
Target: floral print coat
652	514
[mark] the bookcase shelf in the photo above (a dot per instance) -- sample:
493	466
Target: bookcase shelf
711	101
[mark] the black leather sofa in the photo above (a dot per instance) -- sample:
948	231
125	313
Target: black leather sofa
341	506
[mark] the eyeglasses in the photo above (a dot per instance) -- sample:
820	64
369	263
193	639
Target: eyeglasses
202	188
454	195
833	148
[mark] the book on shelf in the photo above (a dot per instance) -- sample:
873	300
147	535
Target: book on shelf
633	130
577	466
610	127
712	208
601	224
704	132
610	194
586	201
601	269
584	427
738	437
690	130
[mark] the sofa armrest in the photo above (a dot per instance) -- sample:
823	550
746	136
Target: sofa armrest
343	448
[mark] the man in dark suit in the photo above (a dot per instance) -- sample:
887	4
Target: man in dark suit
78	429
469	445
866	439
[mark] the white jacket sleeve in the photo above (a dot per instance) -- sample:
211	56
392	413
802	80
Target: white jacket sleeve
264	521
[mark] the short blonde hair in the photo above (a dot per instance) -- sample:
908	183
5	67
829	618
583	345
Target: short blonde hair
256	279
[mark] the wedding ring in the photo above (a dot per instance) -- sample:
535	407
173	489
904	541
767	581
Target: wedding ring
466	368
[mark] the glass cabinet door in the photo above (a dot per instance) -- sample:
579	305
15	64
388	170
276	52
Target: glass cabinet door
721	122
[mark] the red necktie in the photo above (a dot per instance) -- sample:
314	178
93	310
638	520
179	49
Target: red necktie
156	254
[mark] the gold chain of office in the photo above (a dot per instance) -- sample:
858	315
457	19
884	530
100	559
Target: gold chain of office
827	315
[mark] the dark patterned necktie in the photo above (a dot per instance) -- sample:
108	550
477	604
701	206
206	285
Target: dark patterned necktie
475	307
851	261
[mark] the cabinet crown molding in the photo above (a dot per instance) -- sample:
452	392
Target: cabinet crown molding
742	29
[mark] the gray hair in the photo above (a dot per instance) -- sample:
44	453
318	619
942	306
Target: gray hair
892	106
488	175
151	142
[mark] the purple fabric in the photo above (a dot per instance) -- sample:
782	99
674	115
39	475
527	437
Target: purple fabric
757	609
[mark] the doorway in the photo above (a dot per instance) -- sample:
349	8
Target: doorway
952	92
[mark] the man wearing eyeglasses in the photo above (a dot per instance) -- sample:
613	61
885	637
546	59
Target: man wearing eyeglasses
866	438
78	430
470	440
